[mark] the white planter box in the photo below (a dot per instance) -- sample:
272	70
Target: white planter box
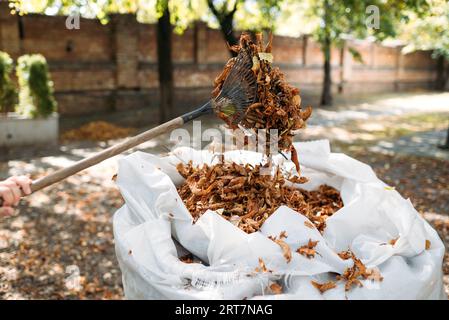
16	130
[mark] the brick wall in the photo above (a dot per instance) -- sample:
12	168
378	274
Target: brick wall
103	68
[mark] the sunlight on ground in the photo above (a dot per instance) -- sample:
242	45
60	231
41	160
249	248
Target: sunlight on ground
69	223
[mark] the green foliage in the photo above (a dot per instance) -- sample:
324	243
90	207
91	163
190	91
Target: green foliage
36	89
256	15
8	93
259	15
430	32
334	18
182	12
355	55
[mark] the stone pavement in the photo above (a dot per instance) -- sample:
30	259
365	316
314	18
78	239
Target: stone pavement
378	106
419	144
336	124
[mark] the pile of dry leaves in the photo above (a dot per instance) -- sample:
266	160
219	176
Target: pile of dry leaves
244	196
277	105
97	131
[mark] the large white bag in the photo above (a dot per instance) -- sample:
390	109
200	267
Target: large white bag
373	214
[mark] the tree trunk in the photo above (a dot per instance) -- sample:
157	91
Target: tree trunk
165	66
326	95
442	74
227	29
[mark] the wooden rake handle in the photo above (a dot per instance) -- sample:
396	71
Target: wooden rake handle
63	173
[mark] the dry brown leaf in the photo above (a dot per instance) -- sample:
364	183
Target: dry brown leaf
309	224
428	244
262	267
345	255
286	251
276	288
393	241
188	258
308	250
323	287
358	271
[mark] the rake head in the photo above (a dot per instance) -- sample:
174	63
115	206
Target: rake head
239	89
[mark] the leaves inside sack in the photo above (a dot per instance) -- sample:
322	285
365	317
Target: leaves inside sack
247	198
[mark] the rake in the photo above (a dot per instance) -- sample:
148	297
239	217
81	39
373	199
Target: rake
237	94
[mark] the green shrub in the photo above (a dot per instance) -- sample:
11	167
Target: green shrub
36	89
8	93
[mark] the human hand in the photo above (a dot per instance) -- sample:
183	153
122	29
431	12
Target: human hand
11	190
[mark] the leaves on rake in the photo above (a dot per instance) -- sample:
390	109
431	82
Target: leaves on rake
277	103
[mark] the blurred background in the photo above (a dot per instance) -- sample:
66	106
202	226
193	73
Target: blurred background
77	76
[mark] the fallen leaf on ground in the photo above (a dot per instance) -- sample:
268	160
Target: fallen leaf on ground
97	131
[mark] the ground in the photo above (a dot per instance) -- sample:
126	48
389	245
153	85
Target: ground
61	244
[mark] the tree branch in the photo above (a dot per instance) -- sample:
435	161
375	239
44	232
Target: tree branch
214	10
234	9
